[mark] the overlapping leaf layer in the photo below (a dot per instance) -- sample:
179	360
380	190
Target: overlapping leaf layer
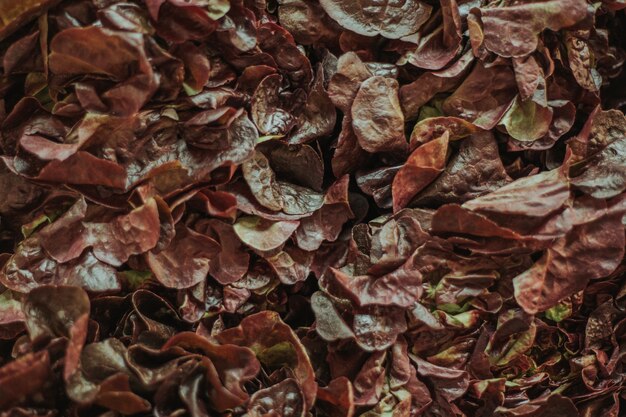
292	208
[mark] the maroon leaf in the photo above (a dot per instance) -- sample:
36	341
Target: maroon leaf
112	241
474	171
186	261
422	167
284	399
520	34
592	249
180	235
377	119
438	48
23	377
394	21
59	311
345	83
484	96
266	333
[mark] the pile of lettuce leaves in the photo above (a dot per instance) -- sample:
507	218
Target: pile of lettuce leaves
312	208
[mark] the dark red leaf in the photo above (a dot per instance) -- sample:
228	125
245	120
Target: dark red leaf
420	169
377	118
392	21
